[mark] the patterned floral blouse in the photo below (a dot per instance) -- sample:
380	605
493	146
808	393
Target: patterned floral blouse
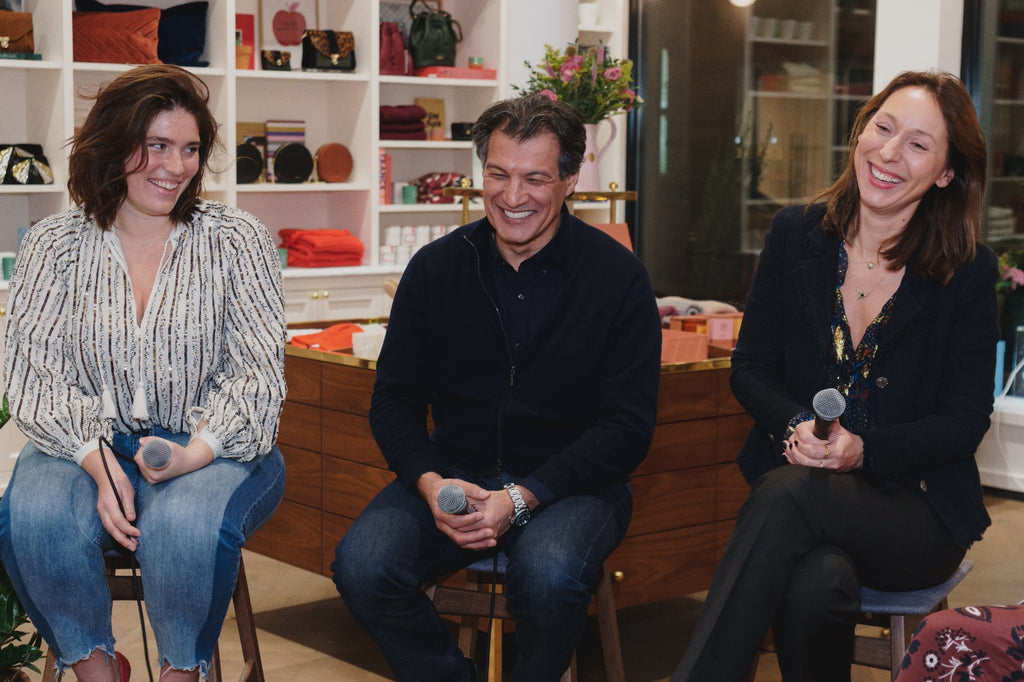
210	346
850	368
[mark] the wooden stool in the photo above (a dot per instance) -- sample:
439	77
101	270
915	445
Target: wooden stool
122	589
889	611
474	601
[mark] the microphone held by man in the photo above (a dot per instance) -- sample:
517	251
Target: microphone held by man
452	500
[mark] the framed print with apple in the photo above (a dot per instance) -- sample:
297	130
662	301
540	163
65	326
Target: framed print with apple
282	23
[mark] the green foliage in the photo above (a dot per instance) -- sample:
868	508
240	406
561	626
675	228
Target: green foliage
15	652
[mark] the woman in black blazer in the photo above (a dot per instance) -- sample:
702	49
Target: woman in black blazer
882	292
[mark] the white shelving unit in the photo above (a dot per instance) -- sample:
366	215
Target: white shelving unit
807	70
41	106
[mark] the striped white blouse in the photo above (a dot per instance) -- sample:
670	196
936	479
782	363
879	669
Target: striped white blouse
210	346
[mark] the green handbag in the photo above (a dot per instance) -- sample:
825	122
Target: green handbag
432	37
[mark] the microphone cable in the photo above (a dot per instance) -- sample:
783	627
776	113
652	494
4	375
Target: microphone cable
132	560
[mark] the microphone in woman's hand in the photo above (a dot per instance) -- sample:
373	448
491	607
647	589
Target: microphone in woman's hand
829	405
156	454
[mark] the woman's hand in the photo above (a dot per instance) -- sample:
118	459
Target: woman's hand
843	451
195	455
118	524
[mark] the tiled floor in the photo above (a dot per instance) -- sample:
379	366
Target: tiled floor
306	635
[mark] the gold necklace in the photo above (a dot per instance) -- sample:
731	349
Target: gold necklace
871	264
861	294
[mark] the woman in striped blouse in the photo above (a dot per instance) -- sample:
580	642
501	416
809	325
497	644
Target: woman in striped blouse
142	315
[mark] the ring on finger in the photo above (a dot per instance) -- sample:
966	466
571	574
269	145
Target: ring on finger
821	464
826	450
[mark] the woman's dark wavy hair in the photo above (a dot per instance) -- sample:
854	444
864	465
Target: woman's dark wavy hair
946	226
116	128
523	118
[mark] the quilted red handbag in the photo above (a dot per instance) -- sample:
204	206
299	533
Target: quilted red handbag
430	187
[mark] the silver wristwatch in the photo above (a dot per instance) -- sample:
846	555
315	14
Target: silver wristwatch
521	515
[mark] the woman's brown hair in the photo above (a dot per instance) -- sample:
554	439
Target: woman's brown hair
946	226
116	128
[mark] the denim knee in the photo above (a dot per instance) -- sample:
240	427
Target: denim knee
543	581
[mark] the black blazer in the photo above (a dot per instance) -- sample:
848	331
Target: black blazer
933	372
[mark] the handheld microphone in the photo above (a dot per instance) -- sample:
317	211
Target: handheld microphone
156	454
452	500
829	404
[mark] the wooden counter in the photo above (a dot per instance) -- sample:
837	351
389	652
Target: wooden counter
687	492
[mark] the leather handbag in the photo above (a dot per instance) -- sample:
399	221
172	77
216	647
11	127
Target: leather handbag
116	37
16	32
432	37
24	164
394	60
328	51
275	60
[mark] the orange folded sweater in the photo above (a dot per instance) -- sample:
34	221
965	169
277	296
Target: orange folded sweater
321	248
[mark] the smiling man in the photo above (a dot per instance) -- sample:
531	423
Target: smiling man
534	340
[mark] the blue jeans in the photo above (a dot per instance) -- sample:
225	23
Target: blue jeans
193	528
393	548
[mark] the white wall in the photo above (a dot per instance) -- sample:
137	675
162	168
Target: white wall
917	35
532	24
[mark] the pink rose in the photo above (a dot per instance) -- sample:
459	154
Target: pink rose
613	74
570	67
549	94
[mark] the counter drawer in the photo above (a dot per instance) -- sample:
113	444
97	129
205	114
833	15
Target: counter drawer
300	426
349	486
291	535
649	568
348	436
673	499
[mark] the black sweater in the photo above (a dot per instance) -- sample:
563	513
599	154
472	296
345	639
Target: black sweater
576	413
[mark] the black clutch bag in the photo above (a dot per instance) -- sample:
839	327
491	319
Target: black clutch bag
248	164
328	51
292	163
276	60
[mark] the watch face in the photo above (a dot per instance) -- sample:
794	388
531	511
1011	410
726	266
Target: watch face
521	518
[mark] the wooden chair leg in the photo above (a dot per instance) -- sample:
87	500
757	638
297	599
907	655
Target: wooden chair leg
246	629
608	626
495	658
897	642
50	666
468	625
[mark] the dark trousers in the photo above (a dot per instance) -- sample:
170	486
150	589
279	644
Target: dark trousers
393	548
805	541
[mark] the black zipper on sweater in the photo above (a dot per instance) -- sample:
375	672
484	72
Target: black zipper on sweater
504	337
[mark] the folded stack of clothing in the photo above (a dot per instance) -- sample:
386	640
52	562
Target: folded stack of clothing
321	248
403	122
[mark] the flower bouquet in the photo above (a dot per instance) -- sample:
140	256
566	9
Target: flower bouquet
1011	275
590	79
